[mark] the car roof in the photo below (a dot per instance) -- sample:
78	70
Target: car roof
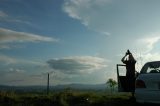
153	62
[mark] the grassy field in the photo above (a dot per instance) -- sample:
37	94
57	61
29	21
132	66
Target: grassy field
66	98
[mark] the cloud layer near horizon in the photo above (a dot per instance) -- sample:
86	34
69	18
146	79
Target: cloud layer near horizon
77	64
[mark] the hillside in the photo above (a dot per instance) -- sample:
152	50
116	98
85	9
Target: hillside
57	87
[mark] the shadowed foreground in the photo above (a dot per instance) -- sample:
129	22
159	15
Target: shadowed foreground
66	99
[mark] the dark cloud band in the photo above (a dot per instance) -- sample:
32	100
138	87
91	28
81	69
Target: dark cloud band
74	65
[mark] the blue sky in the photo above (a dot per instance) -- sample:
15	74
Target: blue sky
76	41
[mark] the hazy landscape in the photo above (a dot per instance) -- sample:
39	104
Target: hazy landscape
36	95
77	43
61	96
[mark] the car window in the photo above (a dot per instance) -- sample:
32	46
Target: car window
151	68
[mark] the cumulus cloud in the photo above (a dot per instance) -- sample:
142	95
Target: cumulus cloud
77	64
7	35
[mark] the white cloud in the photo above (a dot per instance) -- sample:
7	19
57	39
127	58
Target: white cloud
77	64
151	57
16	70
78	9
88	12
106	33
7	36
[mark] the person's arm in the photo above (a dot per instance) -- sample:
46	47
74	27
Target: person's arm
123	59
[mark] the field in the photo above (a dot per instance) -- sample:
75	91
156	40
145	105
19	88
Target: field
66	98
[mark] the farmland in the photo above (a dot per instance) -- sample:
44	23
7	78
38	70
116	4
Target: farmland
65	98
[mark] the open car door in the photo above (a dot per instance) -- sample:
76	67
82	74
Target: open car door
123	83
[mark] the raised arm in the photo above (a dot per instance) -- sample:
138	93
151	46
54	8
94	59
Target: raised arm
123	58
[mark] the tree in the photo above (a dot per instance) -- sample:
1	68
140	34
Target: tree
112	83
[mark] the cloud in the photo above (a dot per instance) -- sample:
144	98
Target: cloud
7	60
148	43
147	57
147	49
88	12
7	18
81	9
12	75
151	57
10	46
16	70
15	76
77	64
115	17
3	14
7	36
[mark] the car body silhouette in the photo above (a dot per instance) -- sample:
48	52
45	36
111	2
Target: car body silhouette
147	84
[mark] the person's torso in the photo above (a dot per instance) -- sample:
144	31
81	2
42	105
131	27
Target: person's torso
130	67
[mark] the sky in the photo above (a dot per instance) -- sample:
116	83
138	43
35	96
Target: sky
76	41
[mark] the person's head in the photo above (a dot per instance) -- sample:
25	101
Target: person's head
130	57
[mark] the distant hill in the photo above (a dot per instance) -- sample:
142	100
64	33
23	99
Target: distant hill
57	87
83	86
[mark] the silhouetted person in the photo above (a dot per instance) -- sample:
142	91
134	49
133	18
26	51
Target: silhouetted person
130	70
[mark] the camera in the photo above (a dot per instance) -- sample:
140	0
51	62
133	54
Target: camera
128	52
